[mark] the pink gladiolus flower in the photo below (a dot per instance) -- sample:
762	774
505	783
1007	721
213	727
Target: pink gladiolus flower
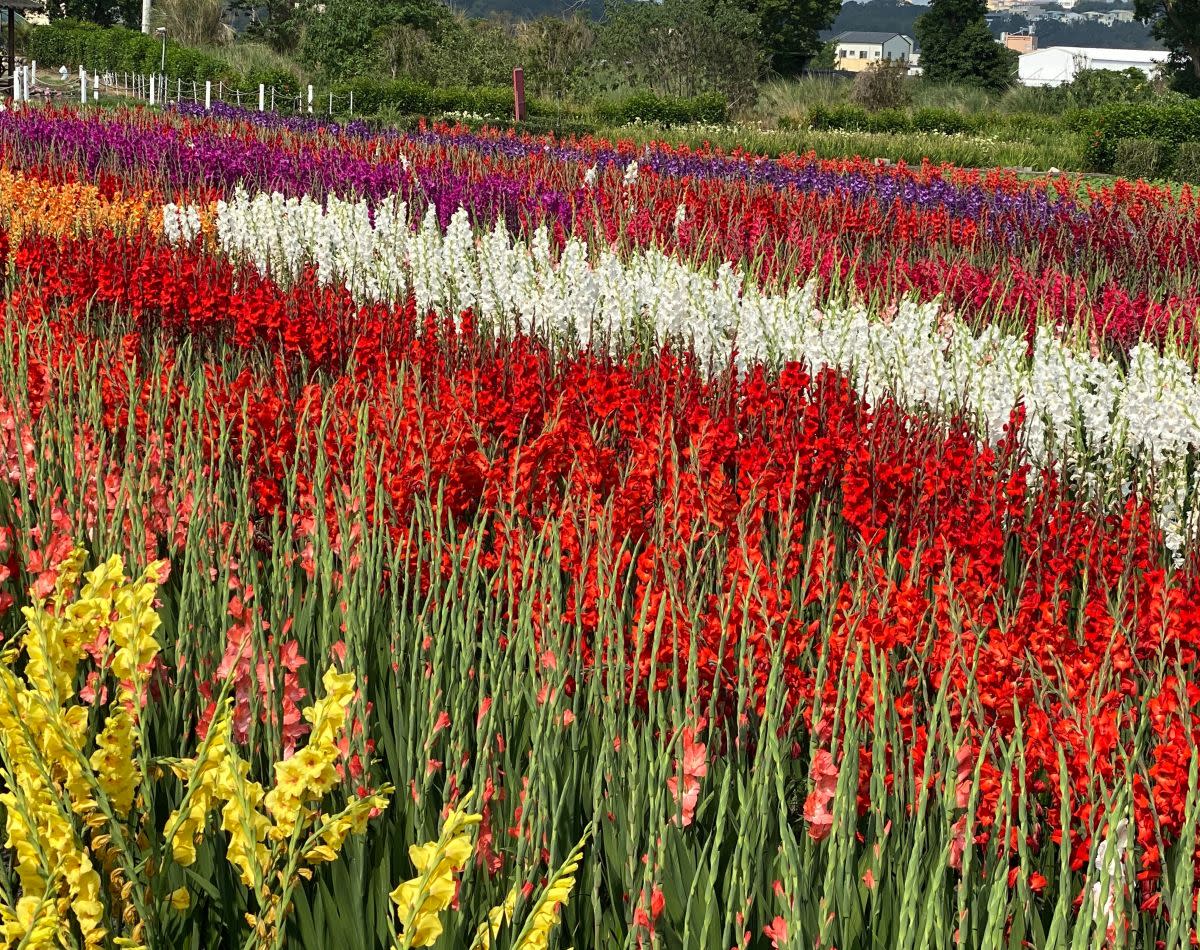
693	763
777	932
824	774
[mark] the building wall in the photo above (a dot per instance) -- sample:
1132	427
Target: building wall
1020	42
855	57
1053	67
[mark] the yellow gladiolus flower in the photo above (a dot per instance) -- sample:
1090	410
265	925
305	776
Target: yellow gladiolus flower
113	760
419	901
545	915
181	899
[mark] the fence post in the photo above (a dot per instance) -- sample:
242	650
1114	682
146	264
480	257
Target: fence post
262	96
310	99
238	95
32	73
82	86
519	93
151	89
207	94
352	102
178	91
272	98
331	103
96	87
16	90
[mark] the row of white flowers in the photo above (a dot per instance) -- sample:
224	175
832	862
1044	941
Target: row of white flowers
1105	424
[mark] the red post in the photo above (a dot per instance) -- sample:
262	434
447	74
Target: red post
519	93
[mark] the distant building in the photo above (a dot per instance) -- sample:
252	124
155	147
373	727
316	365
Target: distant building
1056	65
1025	7
1019	42
855	50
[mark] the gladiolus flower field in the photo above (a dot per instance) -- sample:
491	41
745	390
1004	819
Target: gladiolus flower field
463	539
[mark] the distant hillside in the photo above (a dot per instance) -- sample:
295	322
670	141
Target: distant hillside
889	15
527	9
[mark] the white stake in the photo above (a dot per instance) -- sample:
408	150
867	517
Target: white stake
82	86
262	97
207	94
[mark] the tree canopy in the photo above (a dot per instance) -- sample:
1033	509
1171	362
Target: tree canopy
1177	24
957	46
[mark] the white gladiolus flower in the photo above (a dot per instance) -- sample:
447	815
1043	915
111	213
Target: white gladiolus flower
1108	427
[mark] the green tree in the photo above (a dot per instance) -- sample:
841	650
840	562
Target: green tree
551	50
957	46
1176	23
679	48
790	30
278	23
342	39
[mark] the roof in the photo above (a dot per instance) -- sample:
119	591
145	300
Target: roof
1099	53
856	36
26	5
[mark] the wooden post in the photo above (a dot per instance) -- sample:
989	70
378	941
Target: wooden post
331	103
151	90
519	93
82	86
310	99
272	98
352	102
96	87
207	94
262	97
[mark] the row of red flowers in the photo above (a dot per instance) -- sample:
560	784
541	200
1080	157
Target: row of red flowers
1122	259
824	526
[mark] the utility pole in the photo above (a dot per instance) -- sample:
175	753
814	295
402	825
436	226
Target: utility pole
145	16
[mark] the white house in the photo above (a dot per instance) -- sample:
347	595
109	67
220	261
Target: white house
1056	65
855	50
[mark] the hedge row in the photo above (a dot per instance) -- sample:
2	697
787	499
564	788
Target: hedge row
708	108
118	50
374	97
856	119
1166	127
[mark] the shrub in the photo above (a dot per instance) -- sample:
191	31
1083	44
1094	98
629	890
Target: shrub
1187	162
847	118
711	108
888	120
1137	158
941	120
1169	125
283	81
883	85
116	49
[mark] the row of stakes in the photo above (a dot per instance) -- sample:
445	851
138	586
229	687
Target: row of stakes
156	89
